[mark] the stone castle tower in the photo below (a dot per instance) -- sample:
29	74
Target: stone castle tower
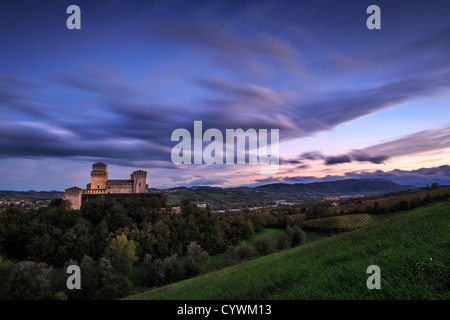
99	176
100	184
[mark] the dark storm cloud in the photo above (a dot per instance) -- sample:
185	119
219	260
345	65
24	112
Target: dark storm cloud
337	159
362	157
357	156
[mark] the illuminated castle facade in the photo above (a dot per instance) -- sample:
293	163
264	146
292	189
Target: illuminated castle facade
101	185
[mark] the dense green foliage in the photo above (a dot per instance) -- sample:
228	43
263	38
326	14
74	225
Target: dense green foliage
54	236
120	242
411	249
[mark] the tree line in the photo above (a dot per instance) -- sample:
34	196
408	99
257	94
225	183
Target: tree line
117	243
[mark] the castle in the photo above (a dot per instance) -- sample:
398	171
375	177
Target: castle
100	185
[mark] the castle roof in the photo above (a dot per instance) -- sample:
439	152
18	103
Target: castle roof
74	188
99	163
118	181
140	171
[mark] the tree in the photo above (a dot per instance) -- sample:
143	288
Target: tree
299	236
290	233
121	253
29	280
41	248
172	268
5	266
151	271
235	255
283	242
196	259
376	208
104	271
89	277
246	252
115	288
264	245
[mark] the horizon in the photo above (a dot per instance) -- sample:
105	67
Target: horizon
349	103
255	185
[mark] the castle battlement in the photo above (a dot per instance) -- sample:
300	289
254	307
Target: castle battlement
101	185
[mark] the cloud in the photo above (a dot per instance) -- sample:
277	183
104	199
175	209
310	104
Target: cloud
110	113
206	182
338	159
269	180
362	157
419	177
290	161
426	140
230	49
418	142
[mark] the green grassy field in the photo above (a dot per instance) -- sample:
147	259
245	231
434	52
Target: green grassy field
272	233
411	248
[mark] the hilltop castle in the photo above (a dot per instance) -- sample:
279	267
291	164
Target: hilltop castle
100	185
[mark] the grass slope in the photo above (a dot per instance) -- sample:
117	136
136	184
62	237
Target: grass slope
411	248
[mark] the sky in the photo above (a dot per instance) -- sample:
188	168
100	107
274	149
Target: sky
348	102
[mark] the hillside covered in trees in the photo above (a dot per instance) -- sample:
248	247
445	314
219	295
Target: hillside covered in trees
121	240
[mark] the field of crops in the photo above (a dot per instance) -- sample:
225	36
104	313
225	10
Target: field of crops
338	223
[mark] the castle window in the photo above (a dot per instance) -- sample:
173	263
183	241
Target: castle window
98	186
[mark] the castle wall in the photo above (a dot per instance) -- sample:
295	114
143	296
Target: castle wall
139	179
134	196
100	187
118	187
98	180
139	185
74	196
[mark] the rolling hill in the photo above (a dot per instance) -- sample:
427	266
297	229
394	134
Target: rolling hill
288	192
410	247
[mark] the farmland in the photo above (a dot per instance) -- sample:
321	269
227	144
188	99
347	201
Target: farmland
338	223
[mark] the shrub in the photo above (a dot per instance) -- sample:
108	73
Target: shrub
115	288
29	280
196	259
283	242
264	245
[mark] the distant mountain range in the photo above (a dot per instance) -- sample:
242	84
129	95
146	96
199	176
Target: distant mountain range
267	192
338	187
285	191
29	195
